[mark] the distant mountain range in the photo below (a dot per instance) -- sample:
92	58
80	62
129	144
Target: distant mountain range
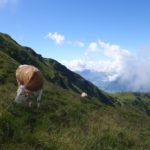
102	80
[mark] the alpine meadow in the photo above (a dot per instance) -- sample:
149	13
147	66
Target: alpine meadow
65	120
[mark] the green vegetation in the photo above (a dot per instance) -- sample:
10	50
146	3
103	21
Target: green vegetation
65	121
138	101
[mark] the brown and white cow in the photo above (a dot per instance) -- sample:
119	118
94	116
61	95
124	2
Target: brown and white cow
30	83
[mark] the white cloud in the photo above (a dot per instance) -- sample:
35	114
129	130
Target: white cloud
115	60
114	51
93	47
93	65
58	38
85	53
136	72
75	64
112	77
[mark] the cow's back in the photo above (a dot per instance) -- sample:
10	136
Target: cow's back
29	76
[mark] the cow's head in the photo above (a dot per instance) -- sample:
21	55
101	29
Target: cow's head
22	95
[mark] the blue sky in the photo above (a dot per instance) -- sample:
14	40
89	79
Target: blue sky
82	34
123	22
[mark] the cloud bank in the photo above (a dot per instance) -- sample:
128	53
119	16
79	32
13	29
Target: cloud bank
132	70
115	57
136	72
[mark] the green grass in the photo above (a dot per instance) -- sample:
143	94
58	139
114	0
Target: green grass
136	101
65	121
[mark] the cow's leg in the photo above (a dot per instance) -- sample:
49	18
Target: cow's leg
20	90
30	103
29	96
39	98
18	93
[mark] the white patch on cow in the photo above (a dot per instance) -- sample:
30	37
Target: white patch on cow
23	96
20	94
22	66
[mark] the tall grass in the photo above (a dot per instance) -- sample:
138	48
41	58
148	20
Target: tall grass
71	123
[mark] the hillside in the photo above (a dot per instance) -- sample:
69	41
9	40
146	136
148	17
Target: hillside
52	70
137	101
65	121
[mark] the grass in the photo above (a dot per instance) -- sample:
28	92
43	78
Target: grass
135	101
65	121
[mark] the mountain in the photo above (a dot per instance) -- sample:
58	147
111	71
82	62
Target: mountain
97	78
65	121
103	81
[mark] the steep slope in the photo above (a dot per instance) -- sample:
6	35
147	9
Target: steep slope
52	70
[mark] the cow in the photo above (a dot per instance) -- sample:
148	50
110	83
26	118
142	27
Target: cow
84	94
30	83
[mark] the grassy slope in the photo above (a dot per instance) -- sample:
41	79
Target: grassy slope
65	121
138	101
